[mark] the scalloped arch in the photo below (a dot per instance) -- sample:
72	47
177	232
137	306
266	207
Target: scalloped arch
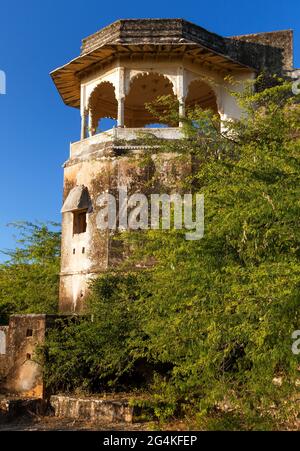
206	95
204	80
144	87
96	88
142	74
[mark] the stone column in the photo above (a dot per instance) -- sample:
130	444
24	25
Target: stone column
181	92
90	123
181	109
83	125
120	95
92	128
121	102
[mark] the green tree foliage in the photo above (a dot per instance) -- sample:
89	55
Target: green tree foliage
29	277
97	344
218	312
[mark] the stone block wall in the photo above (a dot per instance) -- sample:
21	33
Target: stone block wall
95	251
20	371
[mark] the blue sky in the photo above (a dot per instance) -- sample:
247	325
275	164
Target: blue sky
36	127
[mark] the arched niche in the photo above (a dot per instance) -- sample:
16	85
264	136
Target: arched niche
102	104
201	94
145	88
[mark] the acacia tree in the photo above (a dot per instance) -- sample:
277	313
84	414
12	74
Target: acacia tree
223	308
30	275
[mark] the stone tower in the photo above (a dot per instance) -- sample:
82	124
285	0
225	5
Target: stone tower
120	68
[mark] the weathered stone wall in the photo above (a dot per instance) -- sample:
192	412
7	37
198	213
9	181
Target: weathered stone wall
24	373
270	52
87	254
91	409
277	46
3	338
21	371
131	31
4	361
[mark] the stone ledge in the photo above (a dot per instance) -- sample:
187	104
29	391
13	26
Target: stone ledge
95	409
102	142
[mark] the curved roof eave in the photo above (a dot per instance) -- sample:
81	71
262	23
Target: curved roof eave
67	77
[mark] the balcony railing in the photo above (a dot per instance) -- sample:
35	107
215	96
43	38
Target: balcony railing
118	134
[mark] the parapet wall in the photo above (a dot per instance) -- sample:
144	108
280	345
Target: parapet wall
92	409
